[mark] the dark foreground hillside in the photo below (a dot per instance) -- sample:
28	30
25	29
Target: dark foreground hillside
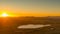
9	25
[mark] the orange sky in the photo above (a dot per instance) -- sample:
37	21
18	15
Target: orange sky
30	7
29	14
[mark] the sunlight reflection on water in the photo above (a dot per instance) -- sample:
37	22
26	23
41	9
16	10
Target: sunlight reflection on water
32	26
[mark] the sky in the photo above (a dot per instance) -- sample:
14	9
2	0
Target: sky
31	7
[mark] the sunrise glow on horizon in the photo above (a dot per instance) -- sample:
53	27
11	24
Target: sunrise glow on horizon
5	15
30	7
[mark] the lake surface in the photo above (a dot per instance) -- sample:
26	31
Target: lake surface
33	26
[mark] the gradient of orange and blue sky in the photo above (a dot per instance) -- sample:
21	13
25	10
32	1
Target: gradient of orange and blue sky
31	7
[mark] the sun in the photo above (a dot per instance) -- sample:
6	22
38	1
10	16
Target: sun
7	14
4	14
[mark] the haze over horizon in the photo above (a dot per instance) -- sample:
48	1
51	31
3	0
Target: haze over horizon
30	7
